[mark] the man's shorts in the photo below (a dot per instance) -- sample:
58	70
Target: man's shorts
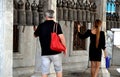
46	61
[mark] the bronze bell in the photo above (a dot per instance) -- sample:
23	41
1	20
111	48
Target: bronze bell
65	14
95	16
59	10
28	13
79	11
35	15
74	14
74	11
70	14
83	15
88	15
115	24
15	17
93	11
87	8
83	12
112	24
79	15
108	24
15	13
118	24
40	11
21	13
70	10
59	13
65	10
92	16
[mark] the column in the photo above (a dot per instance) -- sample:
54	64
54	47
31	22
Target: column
102	15
52	5
6	38
101	11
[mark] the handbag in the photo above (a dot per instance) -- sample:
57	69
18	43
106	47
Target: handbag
56	44
107	62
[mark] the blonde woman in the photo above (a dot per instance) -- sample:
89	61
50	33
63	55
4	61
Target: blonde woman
97	43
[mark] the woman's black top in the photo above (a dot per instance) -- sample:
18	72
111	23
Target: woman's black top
94	53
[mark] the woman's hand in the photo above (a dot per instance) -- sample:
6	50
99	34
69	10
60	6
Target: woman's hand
105	54
79	28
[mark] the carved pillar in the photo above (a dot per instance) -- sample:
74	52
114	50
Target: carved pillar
6	38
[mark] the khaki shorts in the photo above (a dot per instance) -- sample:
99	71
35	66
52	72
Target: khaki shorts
46	61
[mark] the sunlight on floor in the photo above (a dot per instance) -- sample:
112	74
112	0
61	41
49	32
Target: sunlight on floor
118	69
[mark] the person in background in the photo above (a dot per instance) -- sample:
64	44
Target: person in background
97	43
47	55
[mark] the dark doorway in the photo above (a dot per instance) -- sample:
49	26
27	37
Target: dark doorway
15	38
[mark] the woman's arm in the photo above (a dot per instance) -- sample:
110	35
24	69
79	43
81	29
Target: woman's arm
85	35
105	54
103	44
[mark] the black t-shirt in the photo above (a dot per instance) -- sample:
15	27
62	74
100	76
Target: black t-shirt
44	32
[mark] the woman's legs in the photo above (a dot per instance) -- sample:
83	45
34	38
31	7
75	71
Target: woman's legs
97	63
92	68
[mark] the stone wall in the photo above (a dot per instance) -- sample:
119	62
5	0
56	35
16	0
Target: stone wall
74	59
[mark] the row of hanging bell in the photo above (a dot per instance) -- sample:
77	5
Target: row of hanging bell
78	12
27	17
112	24
75	15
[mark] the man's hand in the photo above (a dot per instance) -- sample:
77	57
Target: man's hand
65	52
34	28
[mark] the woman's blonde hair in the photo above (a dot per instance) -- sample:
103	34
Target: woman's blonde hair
97	25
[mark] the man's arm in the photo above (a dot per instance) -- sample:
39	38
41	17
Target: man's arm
62	39
34	28
36	31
